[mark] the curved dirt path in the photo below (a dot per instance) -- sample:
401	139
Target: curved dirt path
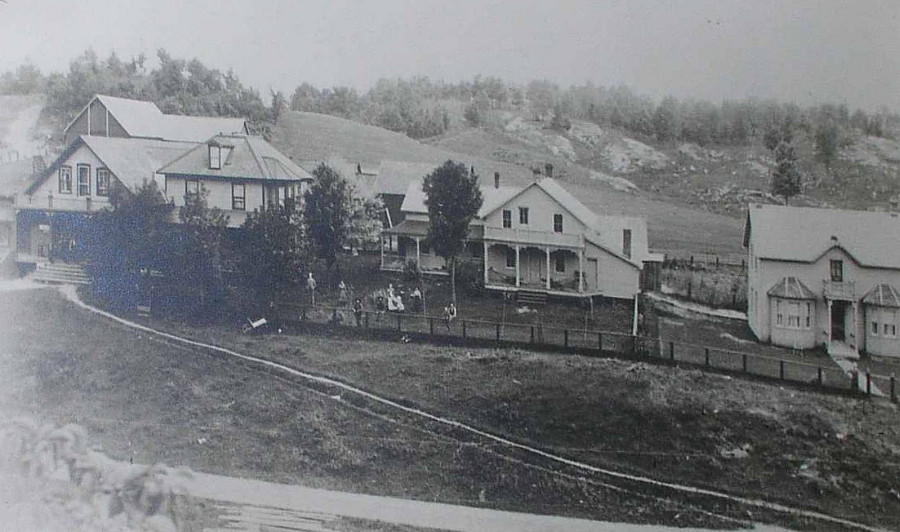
70	293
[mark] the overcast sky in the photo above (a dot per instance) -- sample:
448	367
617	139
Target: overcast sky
807	51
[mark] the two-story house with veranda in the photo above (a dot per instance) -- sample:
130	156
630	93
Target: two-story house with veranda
238	174
533	238
824	277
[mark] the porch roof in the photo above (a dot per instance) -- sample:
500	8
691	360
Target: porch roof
883	295
791	288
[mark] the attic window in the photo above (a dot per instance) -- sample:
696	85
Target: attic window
215	156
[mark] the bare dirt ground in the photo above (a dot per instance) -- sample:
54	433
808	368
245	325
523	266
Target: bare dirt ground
153	401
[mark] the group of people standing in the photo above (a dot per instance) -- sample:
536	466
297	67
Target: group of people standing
389	301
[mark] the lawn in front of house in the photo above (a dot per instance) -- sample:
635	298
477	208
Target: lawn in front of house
362	274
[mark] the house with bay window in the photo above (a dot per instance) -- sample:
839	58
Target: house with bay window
536	238
237	173
824	277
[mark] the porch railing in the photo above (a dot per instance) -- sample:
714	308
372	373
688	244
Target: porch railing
537	238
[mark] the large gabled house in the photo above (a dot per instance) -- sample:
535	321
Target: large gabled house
238	174
824	277
533	238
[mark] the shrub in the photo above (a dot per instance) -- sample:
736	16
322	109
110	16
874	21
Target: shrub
105	494
470	277
714	288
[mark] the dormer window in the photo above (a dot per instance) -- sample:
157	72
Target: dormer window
215	156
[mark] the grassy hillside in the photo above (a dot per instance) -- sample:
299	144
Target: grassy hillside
672	227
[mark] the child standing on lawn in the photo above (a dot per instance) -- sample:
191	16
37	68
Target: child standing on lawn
358	312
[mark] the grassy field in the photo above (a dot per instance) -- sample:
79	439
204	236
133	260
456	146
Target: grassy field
154	401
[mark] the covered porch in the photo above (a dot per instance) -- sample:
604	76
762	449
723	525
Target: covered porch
559	270
404	246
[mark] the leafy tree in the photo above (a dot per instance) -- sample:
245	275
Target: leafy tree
785	175
271	252
197	249
126	239
827	138
453	199
337	217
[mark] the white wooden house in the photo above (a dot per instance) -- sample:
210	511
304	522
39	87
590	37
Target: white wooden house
824	277
533	238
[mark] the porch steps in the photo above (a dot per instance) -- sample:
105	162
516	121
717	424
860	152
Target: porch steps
531	298
60	273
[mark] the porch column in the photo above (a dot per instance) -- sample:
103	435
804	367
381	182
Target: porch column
855	326
547	250
381	241
485	263
418	254
581	271
829	321
517	266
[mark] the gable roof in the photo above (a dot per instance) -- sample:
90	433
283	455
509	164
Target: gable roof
791	288
883	295
145	120
250	158
131	160
414	200
560	195
803	234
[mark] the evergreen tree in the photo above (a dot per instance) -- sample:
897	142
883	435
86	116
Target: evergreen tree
785	176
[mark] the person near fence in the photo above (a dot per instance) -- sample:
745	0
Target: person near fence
394	300
358	312
415	300
336	318
343	294
311	286
449	314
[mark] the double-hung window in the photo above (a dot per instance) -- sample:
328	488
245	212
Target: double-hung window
65	179
507	219
191	188
793	315
523	215
837	271
238	196
557	223
779	317
510	258
889	319
102	182
84	180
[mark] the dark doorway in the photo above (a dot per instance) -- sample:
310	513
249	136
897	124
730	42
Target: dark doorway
838	315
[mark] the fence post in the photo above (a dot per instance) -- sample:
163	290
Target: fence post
464	328
868	383
821	381
430	325
532	334
744	362
706	356
600	342
672	351
781	369
498	332
893	389
566	337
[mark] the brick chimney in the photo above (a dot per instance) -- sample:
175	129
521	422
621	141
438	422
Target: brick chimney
496	179
548	169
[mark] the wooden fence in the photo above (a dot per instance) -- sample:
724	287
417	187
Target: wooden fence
588	342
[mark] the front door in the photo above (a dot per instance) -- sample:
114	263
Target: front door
838	315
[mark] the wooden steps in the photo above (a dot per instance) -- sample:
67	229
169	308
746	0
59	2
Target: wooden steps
531	298
60	273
